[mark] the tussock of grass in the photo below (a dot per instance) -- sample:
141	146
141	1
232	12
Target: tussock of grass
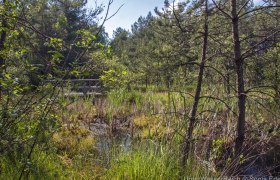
143	164
148	160
151	126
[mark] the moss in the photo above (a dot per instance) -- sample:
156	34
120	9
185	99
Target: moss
151	126
74	142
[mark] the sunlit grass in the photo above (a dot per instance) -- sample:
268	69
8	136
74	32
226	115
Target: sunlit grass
149	160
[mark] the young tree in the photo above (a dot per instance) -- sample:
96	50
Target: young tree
239	63
203	57
239	11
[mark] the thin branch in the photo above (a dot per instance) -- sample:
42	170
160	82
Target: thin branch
257	87
211	67
222	101
100	28
261	92
256	45
245	4
264	106
115	12
221	74
258	9
183	92
30	26
220	9
177	19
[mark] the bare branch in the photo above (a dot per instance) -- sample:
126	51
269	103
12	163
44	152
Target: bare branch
257	87
220	9
222	101
106	18
115	12
221	74
244	56
258	9
264	106
261	92
177	19
245	4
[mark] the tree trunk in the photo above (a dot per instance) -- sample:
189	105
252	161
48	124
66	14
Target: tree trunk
189	133
239	64
3	37
276	73
276	83
227	79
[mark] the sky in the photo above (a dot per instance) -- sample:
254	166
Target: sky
130	12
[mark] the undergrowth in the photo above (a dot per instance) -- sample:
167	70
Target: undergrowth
156	122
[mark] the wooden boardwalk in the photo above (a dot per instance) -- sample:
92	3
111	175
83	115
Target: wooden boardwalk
80	87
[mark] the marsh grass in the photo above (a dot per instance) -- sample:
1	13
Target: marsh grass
151	160
159	119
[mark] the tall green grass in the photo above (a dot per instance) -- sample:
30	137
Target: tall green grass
41	165
149	160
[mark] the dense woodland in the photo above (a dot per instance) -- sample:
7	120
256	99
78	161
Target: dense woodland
192	90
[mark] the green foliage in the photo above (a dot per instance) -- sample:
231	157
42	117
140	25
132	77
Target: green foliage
112	79
217	149
86	39
31	52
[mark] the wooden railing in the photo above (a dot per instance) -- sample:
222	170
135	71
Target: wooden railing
79	87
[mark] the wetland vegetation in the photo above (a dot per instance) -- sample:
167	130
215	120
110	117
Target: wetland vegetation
192	91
